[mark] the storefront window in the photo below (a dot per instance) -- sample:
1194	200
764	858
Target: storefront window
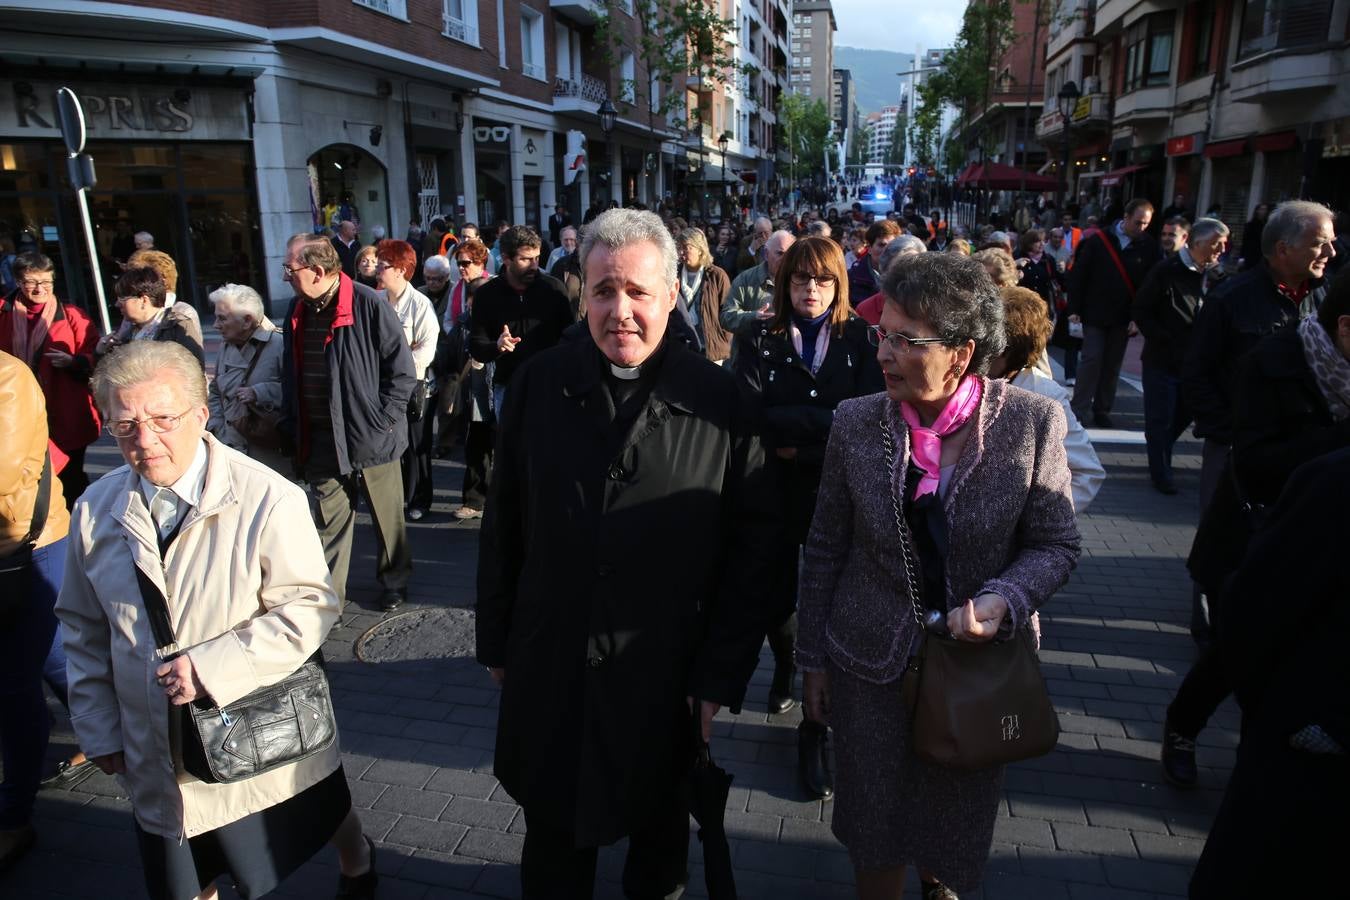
347	182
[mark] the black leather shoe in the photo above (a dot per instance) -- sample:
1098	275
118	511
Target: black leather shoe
1102	420
67	775
780	692
811	761
361	887
1178	758
1165	487
391	600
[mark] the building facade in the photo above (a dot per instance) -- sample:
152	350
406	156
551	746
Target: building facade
813	28
1229	103
224	136
844	101
1001	127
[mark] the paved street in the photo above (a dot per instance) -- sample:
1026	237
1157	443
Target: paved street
1091	821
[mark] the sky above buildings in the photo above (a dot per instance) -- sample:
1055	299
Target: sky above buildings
896	24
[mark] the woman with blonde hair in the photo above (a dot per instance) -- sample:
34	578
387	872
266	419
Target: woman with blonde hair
999	264
703	286
959	245
802	362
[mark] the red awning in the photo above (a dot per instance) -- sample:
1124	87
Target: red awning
999	177
1224	149
1274	143
1113	178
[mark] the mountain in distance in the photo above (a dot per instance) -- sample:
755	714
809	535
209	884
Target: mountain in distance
874	74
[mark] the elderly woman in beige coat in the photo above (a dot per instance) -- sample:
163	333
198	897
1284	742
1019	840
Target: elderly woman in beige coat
246	618
248	370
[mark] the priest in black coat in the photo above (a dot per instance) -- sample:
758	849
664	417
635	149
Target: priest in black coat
622	573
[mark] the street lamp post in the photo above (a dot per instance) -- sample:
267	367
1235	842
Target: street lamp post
722	145
608	116
1068	100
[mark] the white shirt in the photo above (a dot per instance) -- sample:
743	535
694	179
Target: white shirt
418	318
169	504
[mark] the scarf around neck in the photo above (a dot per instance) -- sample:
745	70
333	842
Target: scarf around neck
1330	369
27	341
926	442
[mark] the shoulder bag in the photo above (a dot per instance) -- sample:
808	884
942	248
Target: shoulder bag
972	705
258	424
16	568
1112	252
269	728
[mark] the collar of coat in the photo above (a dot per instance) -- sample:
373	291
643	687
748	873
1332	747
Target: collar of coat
342	314
671	389
130	510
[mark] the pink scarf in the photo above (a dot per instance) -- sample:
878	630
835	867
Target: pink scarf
26	344
926	443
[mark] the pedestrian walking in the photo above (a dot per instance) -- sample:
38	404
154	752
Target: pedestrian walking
613	451
346	385
148	316
703	287
246	390
975	470
246	619
812	355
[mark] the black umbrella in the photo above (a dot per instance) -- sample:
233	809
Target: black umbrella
709	786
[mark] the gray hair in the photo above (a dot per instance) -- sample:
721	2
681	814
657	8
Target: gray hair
818	228
240	298
143	237
615	229
1290	221
904	244
143	361
1206	228
953	294
999	237
566	228
436	265
783	236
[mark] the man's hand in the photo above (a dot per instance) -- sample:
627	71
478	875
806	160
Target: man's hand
707	710
105	344
978	620
1077	320
179	680
766	311
1131	330
816	696
111	764
506	343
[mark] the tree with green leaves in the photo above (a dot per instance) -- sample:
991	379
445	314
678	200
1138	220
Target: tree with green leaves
806	124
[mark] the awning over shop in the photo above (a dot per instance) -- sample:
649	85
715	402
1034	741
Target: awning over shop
999	177
1274	143
1116	176
1225	149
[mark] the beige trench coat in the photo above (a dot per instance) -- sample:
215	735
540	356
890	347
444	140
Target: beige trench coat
250	599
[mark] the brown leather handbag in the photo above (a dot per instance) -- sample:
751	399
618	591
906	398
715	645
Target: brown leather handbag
972	705
258	424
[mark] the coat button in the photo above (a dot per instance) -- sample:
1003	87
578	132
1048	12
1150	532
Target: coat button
596	661
814	392
789	359
616	473
766	352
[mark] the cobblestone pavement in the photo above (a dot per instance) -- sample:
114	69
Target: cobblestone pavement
1092	821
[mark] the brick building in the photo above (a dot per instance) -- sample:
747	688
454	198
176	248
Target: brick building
223	136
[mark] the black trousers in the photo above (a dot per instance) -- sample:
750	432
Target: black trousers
416	461
478	463
552	867
73	478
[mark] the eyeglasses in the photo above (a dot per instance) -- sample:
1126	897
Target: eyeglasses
824	282
463	263
30	284
288	273
895	341
125	428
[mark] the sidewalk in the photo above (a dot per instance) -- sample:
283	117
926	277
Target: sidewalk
1091	821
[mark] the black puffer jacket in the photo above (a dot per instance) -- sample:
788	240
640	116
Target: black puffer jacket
1165	310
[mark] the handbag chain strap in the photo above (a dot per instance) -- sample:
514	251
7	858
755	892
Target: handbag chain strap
906	552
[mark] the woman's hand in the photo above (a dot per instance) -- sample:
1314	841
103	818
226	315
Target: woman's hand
245	394
105	343
979	619
179	680
816	696
59	358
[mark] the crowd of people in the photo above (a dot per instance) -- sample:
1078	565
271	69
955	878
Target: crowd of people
776	411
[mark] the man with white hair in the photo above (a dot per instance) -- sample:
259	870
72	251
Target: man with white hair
1286	286
567	242
753	244
612	451
144	240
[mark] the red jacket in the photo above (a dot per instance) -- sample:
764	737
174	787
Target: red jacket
72	418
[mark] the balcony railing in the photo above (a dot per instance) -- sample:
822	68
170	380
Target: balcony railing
533	70
396	8
585	87
460	30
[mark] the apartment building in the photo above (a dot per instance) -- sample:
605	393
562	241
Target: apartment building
844	101
224	136
813	28
881	127
1230	103
1001	127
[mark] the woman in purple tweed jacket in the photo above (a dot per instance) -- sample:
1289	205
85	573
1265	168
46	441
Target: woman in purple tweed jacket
982	478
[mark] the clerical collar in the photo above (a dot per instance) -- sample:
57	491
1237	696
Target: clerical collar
625	374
